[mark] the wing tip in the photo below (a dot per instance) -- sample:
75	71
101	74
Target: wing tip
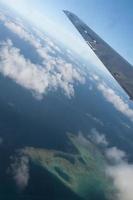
67	12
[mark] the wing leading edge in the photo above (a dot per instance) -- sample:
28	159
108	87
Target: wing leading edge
120	69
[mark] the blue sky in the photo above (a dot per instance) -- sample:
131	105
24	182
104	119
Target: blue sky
110	19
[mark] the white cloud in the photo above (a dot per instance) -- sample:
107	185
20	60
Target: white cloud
115	154
95	77
57	73
112	97
121	173
20	171
122	176
118	169
28	37
42	48
98	138
17	29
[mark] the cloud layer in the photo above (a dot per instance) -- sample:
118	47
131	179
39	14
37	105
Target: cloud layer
66	75
56	74
115	100
113	97
122	176
116	155
42	45
118	169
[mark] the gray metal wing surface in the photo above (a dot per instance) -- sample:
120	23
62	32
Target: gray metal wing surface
120	69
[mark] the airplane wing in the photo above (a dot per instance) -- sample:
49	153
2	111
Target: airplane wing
120	69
